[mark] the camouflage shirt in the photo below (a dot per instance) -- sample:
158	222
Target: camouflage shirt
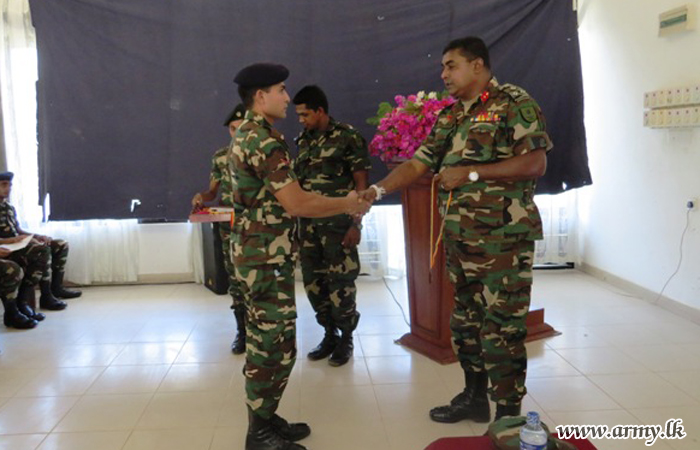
9	227
221	174
327	160
263	232
503	123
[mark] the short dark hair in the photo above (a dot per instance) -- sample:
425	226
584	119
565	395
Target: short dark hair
471	47
247	94
313	97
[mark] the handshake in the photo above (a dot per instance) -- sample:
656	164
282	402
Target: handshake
359	202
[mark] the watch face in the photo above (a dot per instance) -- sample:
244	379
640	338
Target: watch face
474	176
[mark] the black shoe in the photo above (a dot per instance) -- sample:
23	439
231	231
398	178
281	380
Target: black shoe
327	345
13	318
507	410
58	290
263	436
62	292
26	302
238	344
472	403
27	310
290	431
343	352
47	300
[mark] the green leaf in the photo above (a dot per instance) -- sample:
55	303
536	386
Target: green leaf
384	109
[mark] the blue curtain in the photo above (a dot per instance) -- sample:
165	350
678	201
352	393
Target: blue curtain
132	94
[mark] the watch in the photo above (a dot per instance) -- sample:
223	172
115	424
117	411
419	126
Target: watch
473	175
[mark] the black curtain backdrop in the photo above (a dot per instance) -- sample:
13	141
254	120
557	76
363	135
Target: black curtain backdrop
132	94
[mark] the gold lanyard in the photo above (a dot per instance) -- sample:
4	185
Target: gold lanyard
434	248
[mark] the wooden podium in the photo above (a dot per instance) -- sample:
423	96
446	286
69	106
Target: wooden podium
430	293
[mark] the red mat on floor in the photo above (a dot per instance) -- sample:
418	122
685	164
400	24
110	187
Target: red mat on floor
484	443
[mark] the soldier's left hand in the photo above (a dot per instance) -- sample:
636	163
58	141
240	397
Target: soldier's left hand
352	237
452	177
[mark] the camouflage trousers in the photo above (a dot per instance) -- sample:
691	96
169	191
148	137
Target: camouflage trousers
35	259
329	270
11	275
59	256
268	292
234	289
492	285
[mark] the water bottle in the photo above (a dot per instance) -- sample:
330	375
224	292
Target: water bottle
532	435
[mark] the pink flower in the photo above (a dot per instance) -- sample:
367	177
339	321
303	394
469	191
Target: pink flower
400	132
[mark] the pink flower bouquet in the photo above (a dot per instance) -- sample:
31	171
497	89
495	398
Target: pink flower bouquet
402	128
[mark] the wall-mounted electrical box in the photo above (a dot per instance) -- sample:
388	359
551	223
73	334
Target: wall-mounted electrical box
673	108
677	20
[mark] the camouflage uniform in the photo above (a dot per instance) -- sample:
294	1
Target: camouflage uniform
36	259
264	253
11	275
325	165
220	173
490	231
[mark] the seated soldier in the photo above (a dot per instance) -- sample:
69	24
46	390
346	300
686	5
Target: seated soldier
55	252
11	275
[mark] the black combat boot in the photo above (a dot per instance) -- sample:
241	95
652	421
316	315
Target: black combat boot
290	431
507	410
327	345
262	435
47	300
238	344
58	290
26	302
13	318
343	351
472	403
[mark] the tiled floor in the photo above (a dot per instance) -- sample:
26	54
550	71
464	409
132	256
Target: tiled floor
149	368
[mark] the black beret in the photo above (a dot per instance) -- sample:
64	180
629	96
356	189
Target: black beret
261	75
6	176
237	114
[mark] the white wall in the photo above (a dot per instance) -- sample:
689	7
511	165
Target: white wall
165	249
632	217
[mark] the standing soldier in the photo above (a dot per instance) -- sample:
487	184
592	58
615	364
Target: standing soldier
488	149
43	259
333	160
220	181
264	250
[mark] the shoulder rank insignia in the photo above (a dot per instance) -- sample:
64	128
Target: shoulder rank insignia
516	93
